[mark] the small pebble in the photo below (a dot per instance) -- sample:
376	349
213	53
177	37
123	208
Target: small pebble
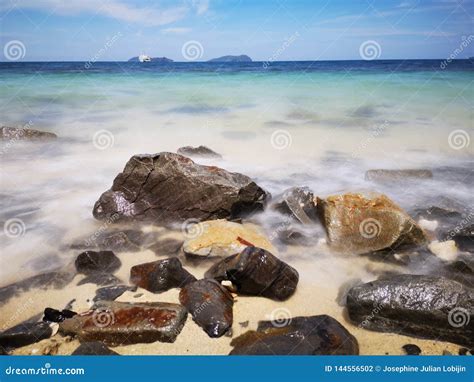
411	349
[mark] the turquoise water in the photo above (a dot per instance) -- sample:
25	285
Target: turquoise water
316	124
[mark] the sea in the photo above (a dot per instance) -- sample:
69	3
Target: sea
318	124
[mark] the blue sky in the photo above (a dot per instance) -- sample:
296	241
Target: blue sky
280	29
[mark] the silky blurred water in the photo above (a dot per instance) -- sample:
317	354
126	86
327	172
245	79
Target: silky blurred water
319	124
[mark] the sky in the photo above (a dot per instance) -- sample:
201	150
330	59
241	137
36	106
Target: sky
266	30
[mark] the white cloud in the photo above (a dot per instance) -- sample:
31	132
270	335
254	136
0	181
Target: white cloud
117	9
201	6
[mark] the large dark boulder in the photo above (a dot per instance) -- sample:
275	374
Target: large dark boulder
169	187
120	323
159	276
414	305
93	348
314	335
257	272
210	304
359	224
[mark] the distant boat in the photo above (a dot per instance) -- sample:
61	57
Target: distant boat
144	58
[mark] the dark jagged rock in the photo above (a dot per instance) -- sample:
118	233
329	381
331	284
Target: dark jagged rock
118	323
257	272
93	348
91	262
397	175
159	276
419	306
19	133
314	335
53	280
298	202
169	187
198	152
110	293
411	349
210	304
54	315
359	224
465	351
25	334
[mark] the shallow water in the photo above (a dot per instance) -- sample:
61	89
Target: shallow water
317	124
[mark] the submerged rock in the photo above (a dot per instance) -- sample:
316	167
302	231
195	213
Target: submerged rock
118	323
25	334
159	276
166	247
414	305
20	133
464	237
210	304
257	272
53	280
91	262
200	151
298	202
359	224
313	335
397	175
93	348
102	279
221	238
110	293
169	187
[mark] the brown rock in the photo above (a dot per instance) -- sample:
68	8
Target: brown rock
19	133
169	187
359	224
118	323
159	276
210	304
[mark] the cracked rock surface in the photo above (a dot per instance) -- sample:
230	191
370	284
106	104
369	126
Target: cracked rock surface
167	187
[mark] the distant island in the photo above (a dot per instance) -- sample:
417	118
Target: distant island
241	58
154	59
